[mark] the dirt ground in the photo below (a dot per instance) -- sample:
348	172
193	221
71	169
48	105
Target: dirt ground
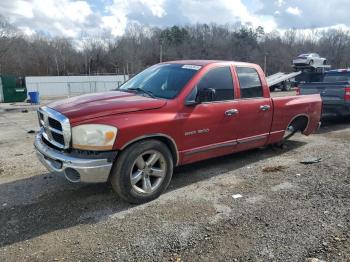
260	205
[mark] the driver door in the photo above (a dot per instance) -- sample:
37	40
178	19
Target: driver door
208	128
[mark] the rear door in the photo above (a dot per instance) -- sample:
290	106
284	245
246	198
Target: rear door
255	108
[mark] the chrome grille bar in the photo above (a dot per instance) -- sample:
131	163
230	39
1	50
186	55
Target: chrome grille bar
49	132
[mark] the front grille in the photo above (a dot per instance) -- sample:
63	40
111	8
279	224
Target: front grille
55	124
58	138
55	127
46	142
41	116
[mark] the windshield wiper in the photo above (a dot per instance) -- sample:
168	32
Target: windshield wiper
138	89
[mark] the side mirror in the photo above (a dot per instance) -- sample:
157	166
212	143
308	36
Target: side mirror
205	95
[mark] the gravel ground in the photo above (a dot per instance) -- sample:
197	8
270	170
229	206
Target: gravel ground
260	205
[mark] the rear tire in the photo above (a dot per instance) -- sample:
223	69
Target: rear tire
142	172
286	86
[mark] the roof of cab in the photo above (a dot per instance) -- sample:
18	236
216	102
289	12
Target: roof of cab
205	62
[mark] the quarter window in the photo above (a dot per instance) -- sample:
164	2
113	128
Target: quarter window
219	79
249	82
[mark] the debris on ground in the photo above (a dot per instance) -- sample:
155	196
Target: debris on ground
313	259
311	160
269	169
237	196
24	111
31	131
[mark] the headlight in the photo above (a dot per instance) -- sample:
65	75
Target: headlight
94	137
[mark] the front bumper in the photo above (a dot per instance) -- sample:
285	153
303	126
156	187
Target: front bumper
73	168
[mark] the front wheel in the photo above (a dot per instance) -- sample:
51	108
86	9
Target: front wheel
142	172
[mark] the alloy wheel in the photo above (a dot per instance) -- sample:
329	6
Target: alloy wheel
148	172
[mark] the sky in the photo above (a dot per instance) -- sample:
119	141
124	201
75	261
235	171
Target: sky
69	18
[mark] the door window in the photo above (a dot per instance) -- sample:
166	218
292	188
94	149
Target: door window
249	82
219	79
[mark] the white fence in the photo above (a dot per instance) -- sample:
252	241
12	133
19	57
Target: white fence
66	86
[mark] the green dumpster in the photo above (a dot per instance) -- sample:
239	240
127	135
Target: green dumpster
12	89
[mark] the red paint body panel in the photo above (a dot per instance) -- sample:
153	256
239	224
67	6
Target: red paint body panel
199	131
81	108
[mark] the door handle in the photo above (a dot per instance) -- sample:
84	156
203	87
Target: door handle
264	108
231	112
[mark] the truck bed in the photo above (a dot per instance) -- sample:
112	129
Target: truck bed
286	108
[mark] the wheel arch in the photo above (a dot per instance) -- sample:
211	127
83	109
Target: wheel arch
167	140
301	119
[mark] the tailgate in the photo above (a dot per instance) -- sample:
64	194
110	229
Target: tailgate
331	93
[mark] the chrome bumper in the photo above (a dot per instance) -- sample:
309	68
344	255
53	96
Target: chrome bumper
74	169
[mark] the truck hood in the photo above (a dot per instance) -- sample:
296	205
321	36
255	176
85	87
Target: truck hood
95	105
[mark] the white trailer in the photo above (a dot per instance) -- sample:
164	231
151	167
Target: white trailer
67	86
280	77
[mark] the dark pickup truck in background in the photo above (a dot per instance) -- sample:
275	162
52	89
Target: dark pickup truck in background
334	91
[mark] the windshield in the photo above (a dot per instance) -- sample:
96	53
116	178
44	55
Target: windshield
162	80
337	77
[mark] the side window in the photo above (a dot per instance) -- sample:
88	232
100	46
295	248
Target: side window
219	79
249	82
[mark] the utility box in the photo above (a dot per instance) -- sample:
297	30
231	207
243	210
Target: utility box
12	89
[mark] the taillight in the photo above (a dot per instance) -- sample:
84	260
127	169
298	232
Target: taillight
297	90
347	94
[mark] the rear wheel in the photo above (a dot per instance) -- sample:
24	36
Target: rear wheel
142	172
286	86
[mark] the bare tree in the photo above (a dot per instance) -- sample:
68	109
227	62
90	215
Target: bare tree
140	47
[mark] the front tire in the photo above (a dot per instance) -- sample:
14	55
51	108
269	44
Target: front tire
142	172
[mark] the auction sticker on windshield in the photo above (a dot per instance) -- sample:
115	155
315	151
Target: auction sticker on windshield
193	67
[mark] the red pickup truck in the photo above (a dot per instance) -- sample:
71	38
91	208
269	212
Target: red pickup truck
170	114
